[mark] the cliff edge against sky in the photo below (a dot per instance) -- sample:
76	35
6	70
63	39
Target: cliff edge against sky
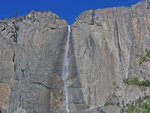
102	52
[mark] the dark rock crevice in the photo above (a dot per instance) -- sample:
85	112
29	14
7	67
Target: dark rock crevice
23	71
118	41
43	85
93	15
3	26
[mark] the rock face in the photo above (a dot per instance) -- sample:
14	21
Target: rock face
103	48
31	50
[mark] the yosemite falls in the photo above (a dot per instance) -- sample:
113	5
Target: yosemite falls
65	71
47	66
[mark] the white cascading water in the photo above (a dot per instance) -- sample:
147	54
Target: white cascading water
65	71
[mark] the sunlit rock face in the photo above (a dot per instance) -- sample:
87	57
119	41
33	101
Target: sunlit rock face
105	43
102	52
31	50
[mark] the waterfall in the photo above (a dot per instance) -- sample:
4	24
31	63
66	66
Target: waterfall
65	71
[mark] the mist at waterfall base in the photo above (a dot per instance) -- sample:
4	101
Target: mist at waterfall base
65	71
67	9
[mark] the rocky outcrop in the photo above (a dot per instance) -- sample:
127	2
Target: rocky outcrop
105	43
31	50
103	48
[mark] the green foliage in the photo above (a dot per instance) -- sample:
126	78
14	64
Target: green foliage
143	88
10	17
115	85
14	15
132	81
135	81
145	57
109	103
130	109
146	83
112	101
142	105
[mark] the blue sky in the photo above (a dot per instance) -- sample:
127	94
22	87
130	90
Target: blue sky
66	9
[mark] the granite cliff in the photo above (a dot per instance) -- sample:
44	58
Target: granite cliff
102	52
